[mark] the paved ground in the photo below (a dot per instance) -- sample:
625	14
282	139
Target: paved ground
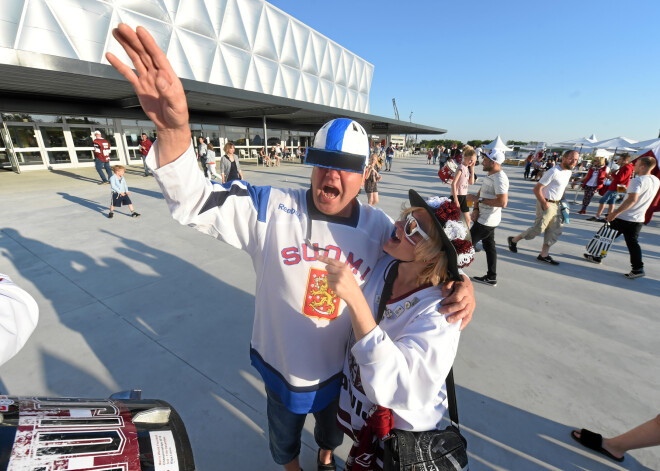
147	303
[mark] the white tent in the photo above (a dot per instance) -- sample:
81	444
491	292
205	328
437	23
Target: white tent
576	143
603	153
498	144
648	144
616	143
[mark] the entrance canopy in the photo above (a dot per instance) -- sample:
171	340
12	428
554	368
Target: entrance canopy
38	83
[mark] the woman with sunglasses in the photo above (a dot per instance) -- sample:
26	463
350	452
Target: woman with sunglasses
399	362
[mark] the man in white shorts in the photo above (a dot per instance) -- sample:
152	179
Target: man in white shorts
548	191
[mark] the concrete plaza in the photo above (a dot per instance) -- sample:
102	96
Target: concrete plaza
147	303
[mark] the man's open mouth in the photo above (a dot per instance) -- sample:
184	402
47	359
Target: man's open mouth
330	192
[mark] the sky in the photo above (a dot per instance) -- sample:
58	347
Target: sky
524	70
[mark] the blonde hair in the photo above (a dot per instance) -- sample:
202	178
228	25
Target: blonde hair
228	145
599	161
435	272
117	167
469	152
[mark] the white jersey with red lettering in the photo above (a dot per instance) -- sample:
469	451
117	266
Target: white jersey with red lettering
300	327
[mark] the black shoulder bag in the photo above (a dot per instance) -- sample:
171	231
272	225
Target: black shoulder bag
435	450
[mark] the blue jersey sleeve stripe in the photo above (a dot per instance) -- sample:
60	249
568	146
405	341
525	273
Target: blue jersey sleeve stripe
335	136
258	194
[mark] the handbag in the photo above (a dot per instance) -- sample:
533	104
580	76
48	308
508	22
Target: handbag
435	450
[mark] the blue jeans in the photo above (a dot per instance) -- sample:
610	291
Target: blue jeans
285	429
609	197
146	169
99	168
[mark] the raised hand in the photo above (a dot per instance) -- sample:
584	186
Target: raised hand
158	88
340	279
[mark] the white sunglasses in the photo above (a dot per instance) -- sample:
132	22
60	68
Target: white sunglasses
410	227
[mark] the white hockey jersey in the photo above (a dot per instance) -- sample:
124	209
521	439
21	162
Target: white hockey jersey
402	363
300	327
19	314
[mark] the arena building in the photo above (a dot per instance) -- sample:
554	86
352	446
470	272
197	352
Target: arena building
252	74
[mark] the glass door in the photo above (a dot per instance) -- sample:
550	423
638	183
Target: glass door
83	143
55	144
26	146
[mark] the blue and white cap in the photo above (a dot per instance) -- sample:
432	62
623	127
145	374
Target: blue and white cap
341	144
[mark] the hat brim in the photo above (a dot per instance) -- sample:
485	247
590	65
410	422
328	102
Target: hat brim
450	250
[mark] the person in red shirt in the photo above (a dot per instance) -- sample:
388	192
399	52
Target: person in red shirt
102	157
620	177
145	145
593	181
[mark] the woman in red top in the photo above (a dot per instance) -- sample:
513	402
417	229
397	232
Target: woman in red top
593	181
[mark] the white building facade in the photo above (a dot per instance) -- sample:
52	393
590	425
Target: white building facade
243	44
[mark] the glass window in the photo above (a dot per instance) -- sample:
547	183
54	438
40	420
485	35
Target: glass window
82	137
47	118
29	158
85	155
82	120
52	136
59	157
4	157
16	117
23	136
237	135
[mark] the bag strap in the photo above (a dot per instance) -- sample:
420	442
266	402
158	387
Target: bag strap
387	290
384	297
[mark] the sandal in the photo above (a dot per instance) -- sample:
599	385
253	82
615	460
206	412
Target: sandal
593	441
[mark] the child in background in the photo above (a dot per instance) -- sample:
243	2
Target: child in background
120	191
464	176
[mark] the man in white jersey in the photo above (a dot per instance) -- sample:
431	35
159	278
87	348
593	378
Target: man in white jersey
628	219
299	332
548	191
487	212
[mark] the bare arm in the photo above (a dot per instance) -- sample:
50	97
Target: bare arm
158	88
454	185
500	201
471	170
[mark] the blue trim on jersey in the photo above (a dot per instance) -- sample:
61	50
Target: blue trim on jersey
299	400
335	136
258	194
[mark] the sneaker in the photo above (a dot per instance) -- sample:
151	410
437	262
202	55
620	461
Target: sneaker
111	215
134	215
101	183
547	259
592	218
332	466
485	280
592	258
601	220
513	246
635	274
582	211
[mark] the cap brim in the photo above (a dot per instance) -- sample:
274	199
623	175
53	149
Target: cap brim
342	161
450	250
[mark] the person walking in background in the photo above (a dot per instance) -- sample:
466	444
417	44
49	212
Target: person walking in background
201	155
102	157
145	145
528	165
548	191
620	178
593	181
436	153
464	177
487	212
209	161
230	168
642	436
120	194
389	157
371	181
628	219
